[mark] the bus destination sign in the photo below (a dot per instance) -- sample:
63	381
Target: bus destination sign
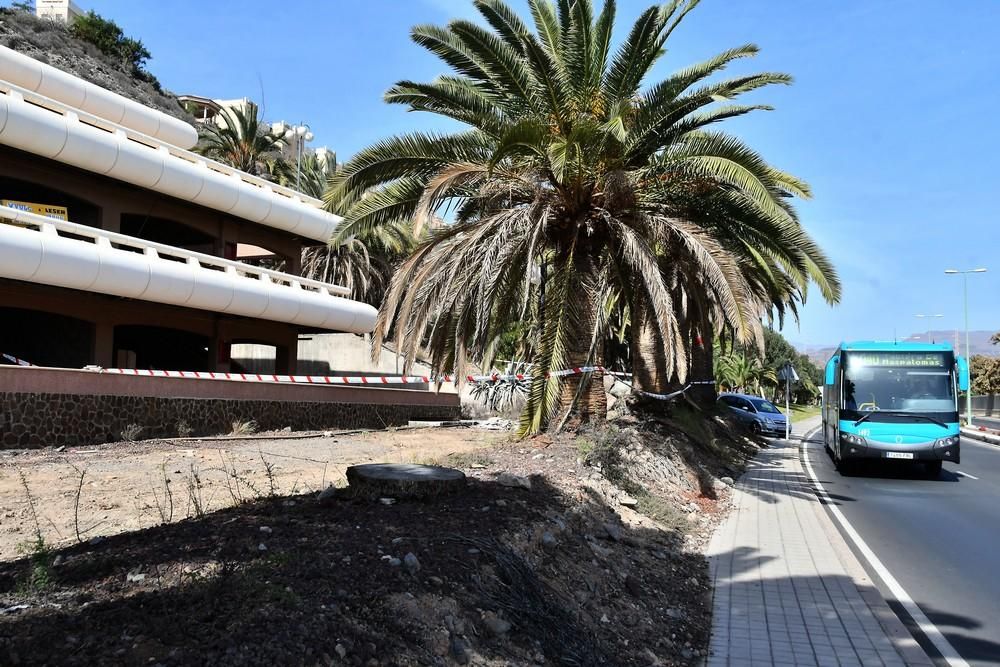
899	359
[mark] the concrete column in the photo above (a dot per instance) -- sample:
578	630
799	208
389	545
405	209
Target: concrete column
293	264
286	356
103	353
111	218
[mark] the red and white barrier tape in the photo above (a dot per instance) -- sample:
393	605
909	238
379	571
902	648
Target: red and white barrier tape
362	379
344	379
14	360
674	394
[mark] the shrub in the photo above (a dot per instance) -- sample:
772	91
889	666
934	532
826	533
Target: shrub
109	39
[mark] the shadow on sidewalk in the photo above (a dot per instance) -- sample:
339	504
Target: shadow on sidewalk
760	620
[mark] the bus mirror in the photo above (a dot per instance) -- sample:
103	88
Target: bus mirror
831	371
963	373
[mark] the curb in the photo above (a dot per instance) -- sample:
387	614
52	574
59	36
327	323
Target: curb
982	436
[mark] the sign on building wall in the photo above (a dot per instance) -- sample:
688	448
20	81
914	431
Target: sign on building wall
57	212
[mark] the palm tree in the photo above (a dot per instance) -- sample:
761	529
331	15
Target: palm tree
574	192
242	140
737	370
313	173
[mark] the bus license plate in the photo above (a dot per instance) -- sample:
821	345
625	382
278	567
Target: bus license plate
899	455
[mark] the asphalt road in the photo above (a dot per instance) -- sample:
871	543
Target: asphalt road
939	538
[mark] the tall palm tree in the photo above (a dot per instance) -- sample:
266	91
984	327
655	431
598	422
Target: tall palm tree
241	139
575	191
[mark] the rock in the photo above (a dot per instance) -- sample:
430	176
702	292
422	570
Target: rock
627	501
397	540
340	651
496	625
633	586
287	429
327	494
605	619
687	653
500	503
548	540
57	561
514	481
728	481
403	480
267	530
94	541
459	651
261	547
538	456
620	390
599	551
614	532
135	578
395	562
411	562
437	581
387	501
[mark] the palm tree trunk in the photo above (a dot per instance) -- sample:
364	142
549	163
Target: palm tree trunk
702	363
587	389
649	368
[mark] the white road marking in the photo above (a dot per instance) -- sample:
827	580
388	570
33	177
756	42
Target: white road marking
965	474
930	630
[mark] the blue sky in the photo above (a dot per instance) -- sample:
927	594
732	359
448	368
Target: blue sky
891	118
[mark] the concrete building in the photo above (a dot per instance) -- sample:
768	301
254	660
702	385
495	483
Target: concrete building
57	10
121	249
145	272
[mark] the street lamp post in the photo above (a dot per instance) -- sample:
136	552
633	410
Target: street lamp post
968	352
301	134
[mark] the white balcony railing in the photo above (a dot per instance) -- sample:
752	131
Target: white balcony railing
51	129
43	250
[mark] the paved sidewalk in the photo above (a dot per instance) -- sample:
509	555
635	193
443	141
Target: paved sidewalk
788	591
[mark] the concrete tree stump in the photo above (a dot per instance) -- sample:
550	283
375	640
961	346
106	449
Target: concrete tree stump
403	480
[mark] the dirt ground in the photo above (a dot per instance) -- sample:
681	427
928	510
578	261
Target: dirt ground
128	486
579	550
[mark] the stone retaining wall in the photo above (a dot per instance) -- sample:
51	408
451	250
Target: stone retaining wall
49	407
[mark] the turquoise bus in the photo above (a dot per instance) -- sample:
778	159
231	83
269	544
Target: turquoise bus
894	401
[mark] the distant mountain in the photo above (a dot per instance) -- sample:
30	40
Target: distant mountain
979	341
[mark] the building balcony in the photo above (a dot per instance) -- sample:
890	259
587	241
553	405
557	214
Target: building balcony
51	252
35	123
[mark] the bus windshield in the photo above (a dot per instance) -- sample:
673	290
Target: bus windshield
899	382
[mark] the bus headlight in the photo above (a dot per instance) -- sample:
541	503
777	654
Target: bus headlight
946	442
852	439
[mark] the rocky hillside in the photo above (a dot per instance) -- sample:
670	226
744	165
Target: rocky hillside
52	43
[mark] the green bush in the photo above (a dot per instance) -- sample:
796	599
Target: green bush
109	39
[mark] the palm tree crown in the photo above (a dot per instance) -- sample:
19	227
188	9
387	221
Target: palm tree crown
577	192
241	139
